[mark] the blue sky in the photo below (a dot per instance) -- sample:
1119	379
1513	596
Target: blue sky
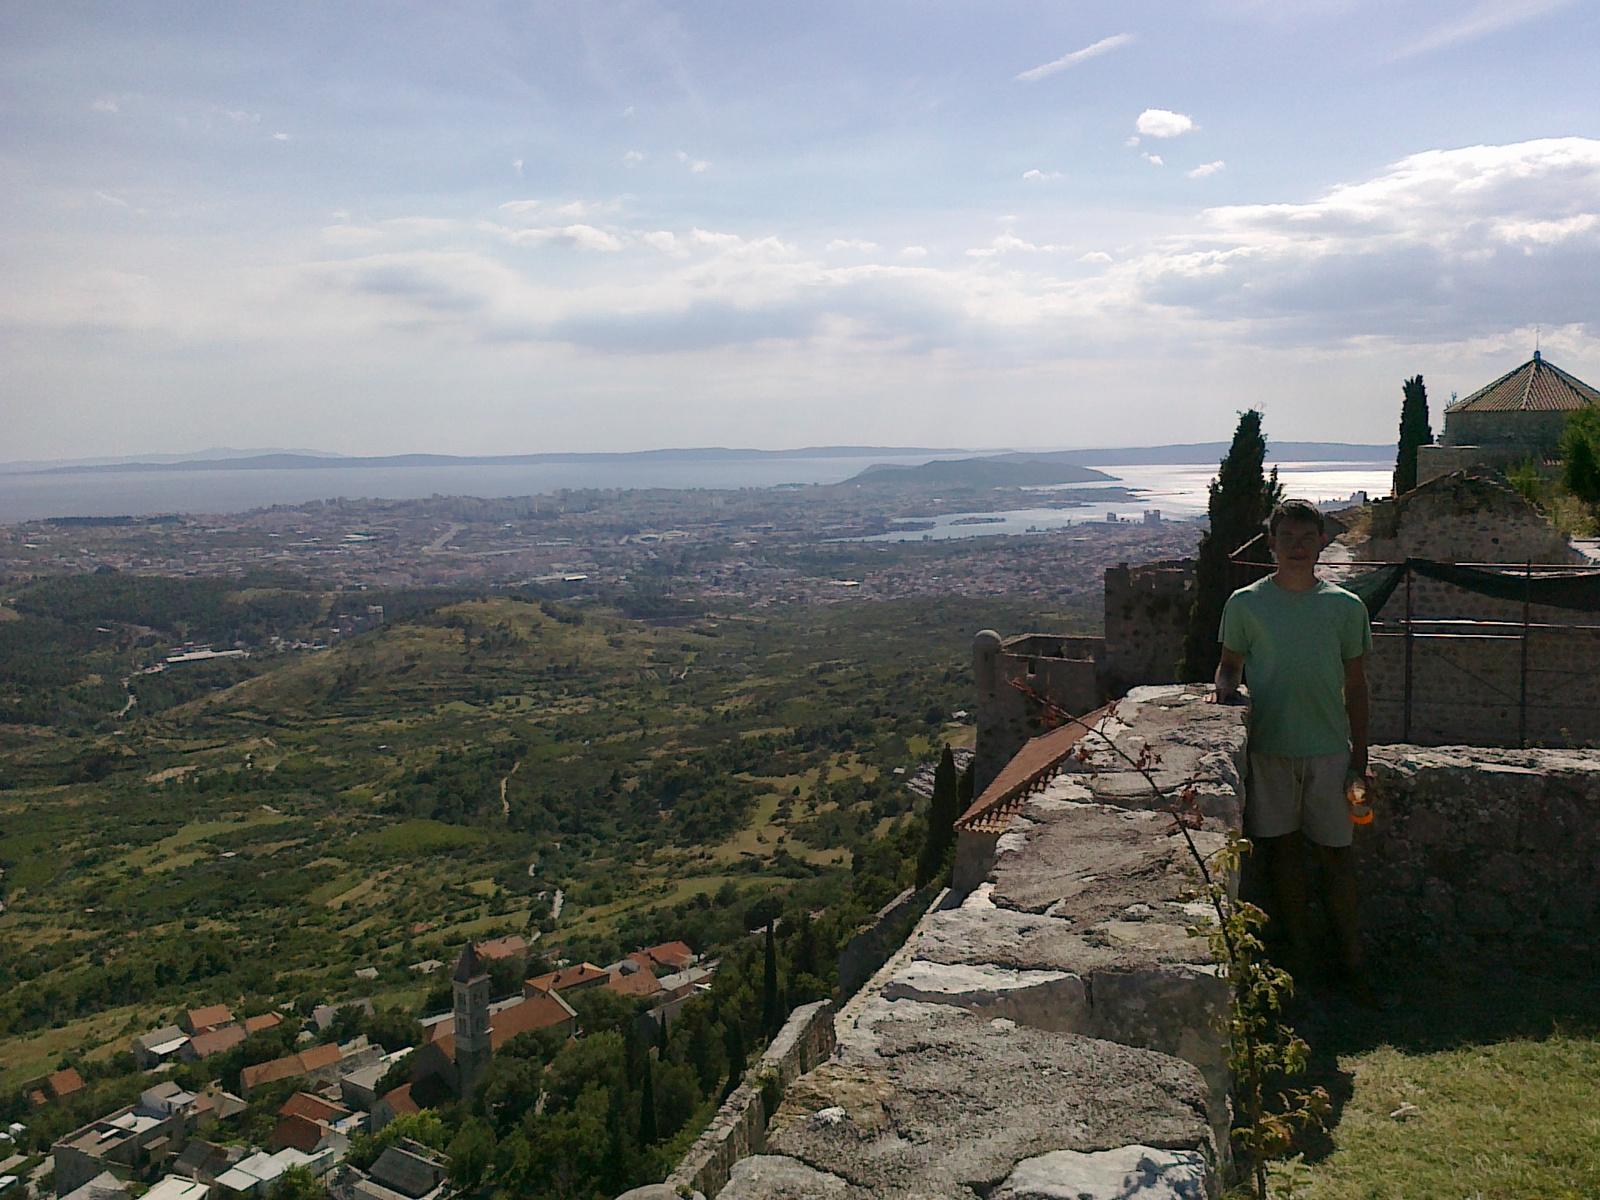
477	228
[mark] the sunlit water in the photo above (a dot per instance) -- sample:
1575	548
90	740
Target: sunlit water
1177	490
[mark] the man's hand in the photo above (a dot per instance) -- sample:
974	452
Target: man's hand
1230	673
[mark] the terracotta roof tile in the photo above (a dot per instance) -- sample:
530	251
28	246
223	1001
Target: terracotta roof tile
1535	386
1029	769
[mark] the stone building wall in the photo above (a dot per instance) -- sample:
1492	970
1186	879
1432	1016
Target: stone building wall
1467	689
1147	614
1469	843
1463	518
1066	670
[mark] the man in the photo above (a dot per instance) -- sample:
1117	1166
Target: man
1302	645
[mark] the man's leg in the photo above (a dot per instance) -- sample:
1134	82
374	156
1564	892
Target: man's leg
1286	859
1343	903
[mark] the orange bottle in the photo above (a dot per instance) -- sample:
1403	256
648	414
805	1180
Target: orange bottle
1357	793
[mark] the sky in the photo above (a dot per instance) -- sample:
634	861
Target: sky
479	228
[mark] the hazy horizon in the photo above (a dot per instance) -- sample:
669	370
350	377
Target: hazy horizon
414	229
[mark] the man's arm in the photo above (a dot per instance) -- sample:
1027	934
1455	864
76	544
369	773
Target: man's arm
1230	673
1357	705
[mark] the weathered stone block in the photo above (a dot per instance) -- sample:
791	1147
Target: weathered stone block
1126	1173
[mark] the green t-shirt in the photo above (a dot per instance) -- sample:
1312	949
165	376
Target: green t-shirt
1295	645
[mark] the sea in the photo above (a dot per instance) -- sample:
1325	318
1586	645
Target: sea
1176	490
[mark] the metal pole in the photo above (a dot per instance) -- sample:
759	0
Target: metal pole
1406	723
1522	717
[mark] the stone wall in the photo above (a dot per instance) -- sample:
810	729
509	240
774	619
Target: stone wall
1462	518
1054	1031
1469	845
1064	669
1147	615
872	946
739	1128
1467	685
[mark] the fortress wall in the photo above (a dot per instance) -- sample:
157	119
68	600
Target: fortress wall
1064	669
1472	845
1146	617
1053	1031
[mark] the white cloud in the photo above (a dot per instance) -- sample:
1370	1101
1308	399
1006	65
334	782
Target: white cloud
1132	141
633	158
1153	159
1095	50
915	252
105	106
1163	123
1038	174
1095	256
628	112
114	201
694	164
280	137
1446	242
516	165
663	240
239	115
852	244
1008	242
1204	169
1481	21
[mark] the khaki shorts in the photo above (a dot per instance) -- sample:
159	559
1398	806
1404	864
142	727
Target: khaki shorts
1286	794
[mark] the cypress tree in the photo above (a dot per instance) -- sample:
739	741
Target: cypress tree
1240	500
1414	431
734	1044
647	1106
771	1011
803	956
943	810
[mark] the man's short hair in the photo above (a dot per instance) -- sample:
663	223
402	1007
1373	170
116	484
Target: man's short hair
1301	512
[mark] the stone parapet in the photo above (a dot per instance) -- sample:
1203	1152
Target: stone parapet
1471	844
1053	1031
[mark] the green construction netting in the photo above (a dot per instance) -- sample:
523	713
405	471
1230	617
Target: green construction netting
1579	591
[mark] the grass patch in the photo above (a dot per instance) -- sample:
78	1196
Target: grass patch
410	838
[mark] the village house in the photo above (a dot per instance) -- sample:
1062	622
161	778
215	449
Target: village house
309	1123
390	1105
316	1064
407	1170
212	1016
126	1142
152	1049
254	1175
567	981
211	1041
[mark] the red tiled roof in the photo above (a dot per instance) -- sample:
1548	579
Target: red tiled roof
288	1068
400	1101
264	1021
208	1017
64	1082
215	1041
300	1132
313	1108
1029	769
642	982
676	955
506	947
542	1010
1535	386
567	977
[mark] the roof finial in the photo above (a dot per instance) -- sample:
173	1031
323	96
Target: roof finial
1537	330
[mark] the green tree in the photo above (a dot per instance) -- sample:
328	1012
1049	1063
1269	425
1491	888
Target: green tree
471	1152
1241	499
647	1105
734	1042
1414	432
1580	455
298	1183
771	1008
942	814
